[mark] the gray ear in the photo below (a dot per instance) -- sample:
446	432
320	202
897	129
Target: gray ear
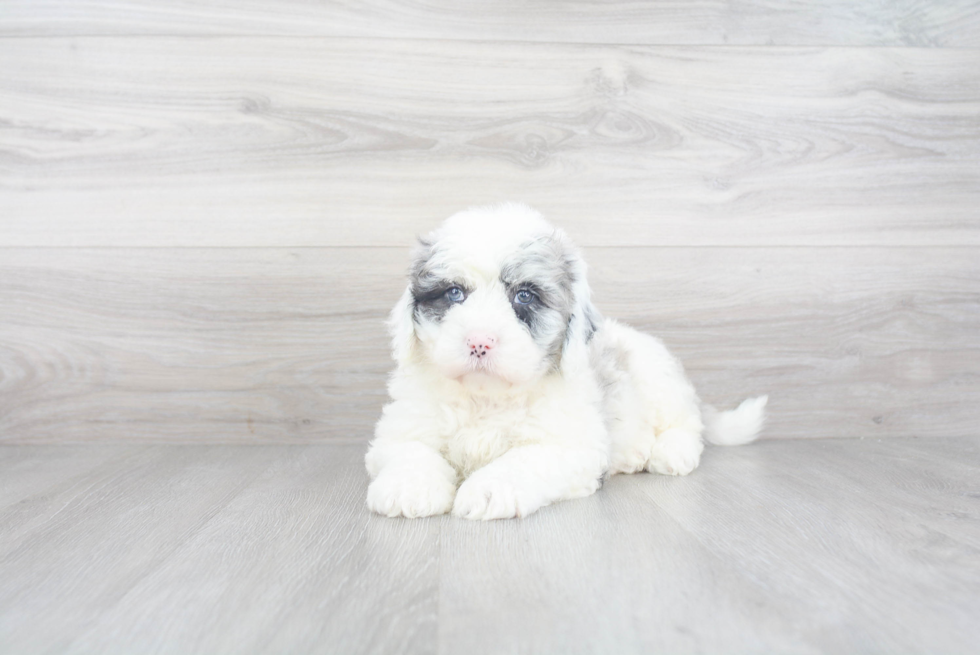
401	321
585	318
590	319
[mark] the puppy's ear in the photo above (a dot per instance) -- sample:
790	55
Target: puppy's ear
401	327
401	322
584	319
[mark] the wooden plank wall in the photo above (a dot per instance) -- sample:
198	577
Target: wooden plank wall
205	207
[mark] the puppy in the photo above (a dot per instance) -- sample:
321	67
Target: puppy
511	392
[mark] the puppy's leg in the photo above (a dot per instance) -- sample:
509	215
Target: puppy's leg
409	478
675	452
653	408
526	478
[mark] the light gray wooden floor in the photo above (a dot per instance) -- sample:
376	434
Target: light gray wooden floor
783	546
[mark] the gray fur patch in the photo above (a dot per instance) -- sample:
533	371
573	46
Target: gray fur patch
546	268
429	284
591	319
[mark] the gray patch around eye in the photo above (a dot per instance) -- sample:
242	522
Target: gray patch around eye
544	266
533	314
435	305
429	283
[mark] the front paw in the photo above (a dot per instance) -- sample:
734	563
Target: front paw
493	496
410	494
675	452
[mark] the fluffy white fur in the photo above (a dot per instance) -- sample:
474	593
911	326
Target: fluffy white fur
501	406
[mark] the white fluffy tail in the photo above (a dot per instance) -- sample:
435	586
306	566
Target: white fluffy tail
737	426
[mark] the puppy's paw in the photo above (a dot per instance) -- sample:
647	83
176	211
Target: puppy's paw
630	459
410	494
675	452
488	496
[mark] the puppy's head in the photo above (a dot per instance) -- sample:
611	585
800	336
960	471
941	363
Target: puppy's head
496	297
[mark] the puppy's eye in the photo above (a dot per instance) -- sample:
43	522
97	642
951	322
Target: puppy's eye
523	297
455	294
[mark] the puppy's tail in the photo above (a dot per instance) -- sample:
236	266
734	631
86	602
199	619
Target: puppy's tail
736	426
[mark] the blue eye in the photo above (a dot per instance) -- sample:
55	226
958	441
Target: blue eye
523	297
455	294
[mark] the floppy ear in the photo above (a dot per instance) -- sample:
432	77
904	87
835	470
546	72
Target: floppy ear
401	322
401	327
585	318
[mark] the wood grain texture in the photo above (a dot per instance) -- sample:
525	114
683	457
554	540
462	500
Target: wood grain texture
204	210
797	547
277	535
313	142
611	574
829	547
293	564
697	22
77	549
288	345
858	538
29	470
204	345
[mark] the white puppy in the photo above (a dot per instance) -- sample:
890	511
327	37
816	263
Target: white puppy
511	392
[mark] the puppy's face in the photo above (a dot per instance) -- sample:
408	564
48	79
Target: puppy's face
494	297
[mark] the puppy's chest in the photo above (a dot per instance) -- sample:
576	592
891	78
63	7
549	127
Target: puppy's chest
479	434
